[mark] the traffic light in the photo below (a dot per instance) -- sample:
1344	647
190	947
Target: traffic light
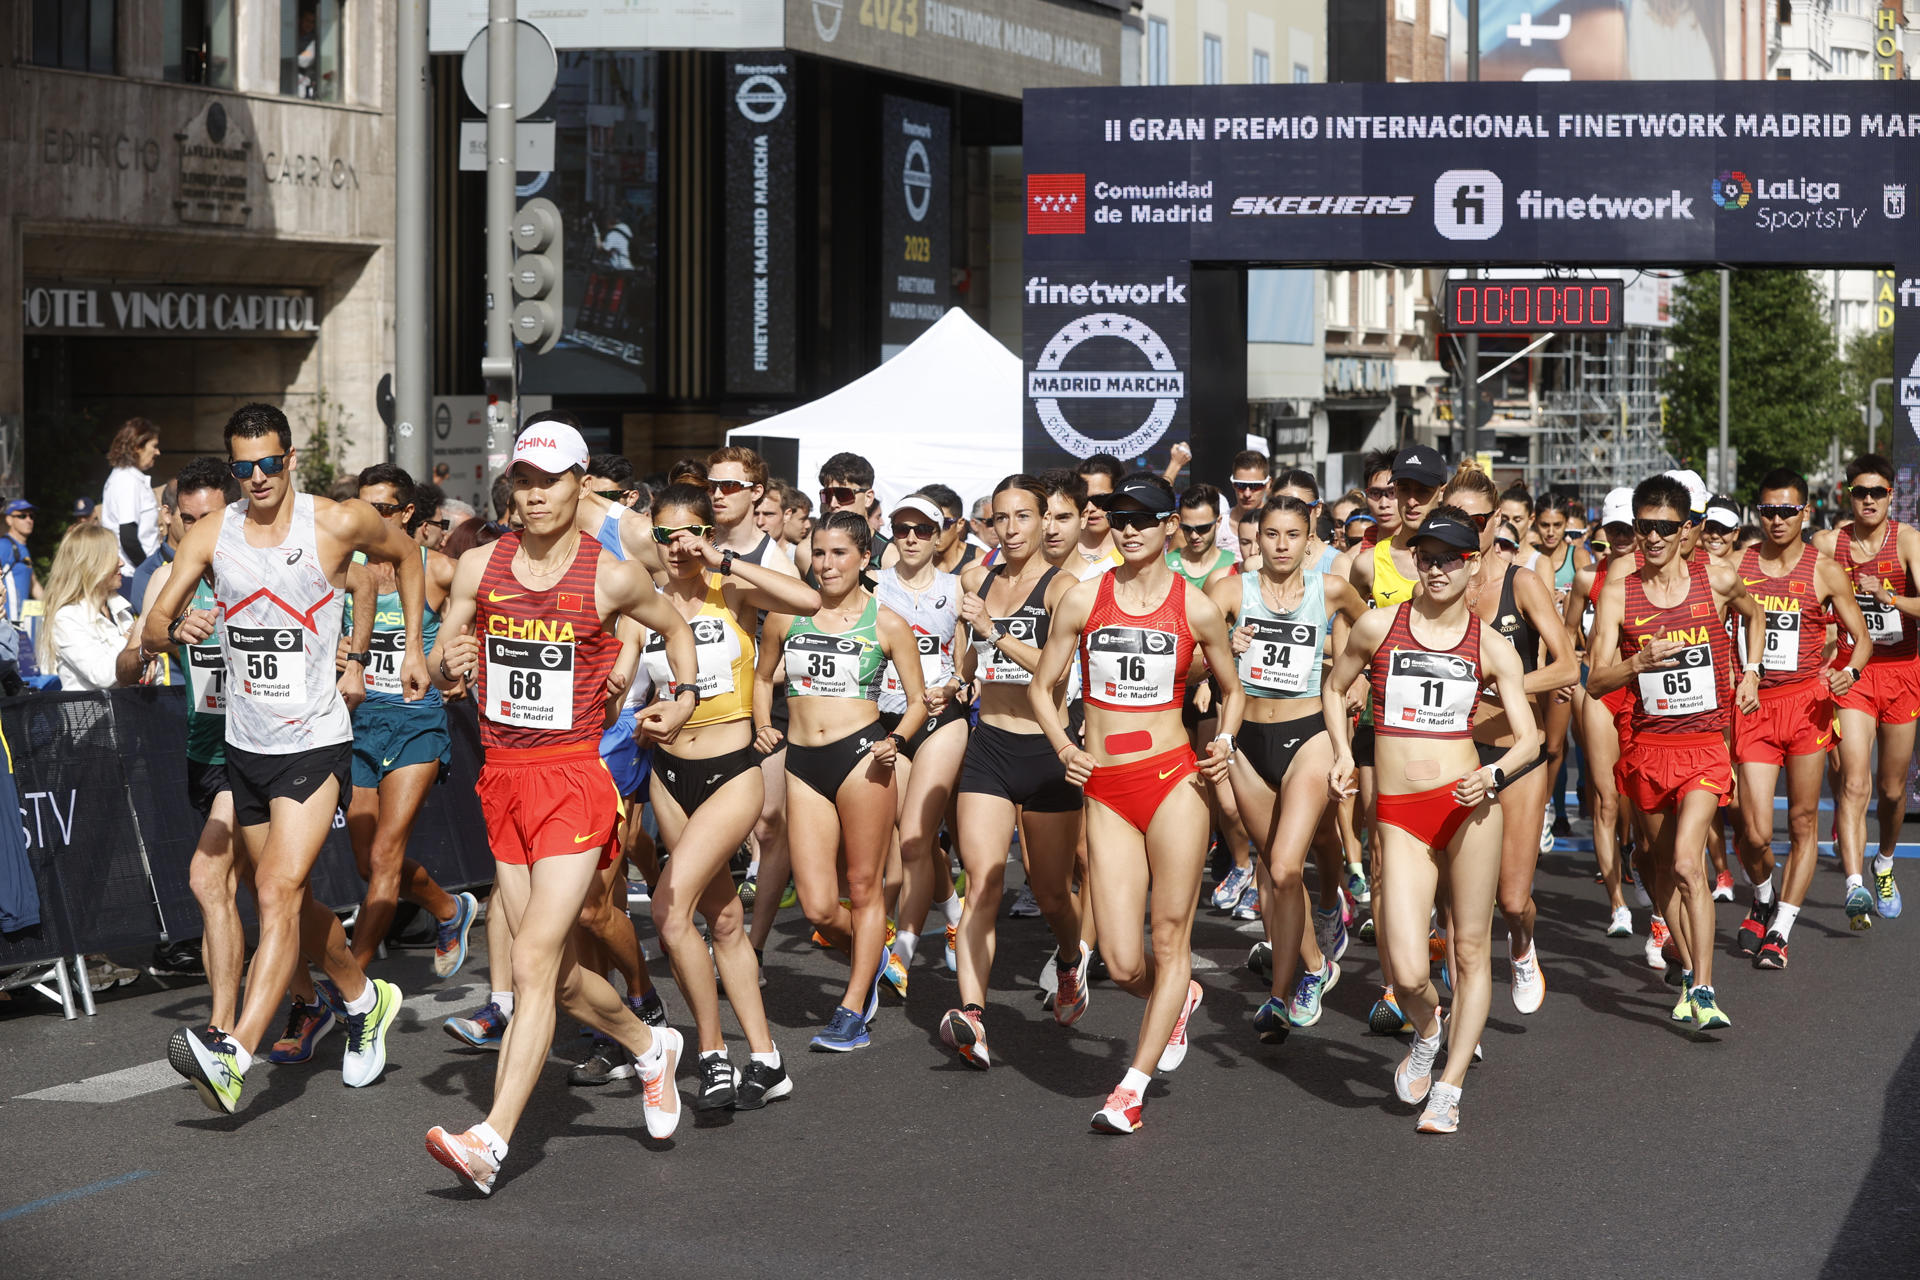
537	275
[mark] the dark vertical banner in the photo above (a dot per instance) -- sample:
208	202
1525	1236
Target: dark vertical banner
761	235
916	218
1903	446
1107	354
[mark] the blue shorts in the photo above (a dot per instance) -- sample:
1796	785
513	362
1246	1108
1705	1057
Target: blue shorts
392	735
629	763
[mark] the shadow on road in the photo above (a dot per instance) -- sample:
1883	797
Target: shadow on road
1881	1234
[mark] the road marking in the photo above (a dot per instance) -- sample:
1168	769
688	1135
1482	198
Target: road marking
94	1188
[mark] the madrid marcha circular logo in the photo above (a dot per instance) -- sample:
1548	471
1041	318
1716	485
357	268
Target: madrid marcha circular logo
1161	382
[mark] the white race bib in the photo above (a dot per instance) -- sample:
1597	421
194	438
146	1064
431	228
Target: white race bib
930	664
529	683
1281	657
716	647
1685	689
1133	666
997	667
823	666
267	664
1429	692
383	673
1883	621
1783	643
209	664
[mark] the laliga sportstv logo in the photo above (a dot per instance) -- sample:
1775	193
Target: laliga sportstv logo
1732	189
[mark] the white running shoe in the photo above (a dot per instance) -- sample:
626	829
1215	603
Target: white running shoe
659	1099
1176	1051
1024	907
1546	830
366	1055
1529	984
1443	1109
1414	1076
1620	924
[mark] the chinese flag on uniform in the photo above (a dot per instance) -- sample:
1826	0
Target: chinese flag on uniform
569	603
1056	204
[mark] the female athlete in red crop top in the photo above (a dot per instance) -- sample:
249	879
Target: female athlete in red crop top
1427	660
1135	630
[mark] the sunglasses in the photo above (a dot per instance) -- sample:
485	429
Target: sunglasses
272	465
1659	528
1380	494
1870	492
1506	544
1443	562
728	487
441	525
1479	518
904	529
664	535
1575	535
1197	529
1714	526
1125	520
838	495
611	495
1774	512
388	508
1250	486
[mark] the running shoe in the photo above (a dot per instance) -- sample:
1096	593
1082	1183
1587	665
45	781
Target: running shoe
1070	1003
1049	979
749	888
1304	1010
1366	930
177	960
659	1100
466	1155
1436	945
959	881
1096	967
366	1055
894	973
719	1083
1529	983
608	1061
637	891
1260	961
761	1084
1753	930
329	995
1248	908
1707	1014
789	897
845	1032
965	1032
1658	937
211	1061
103	974
1121	1114
1385	1018
1330	931
1723	887
1176	1051
1683	1009
1773	953
1886	895
450	938
484	1030
1357	887
1271	1021
1546	831
649	1008
952	958
1859	908
1024	907
1226	894
1620	923
1414	1076
1442	1114
307	1026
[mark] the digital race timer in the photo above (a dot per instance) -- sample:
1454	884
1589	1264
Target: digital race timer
1532	306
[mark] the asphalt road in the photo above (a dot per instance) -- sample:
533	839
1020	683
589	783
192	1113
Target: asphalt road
1597	1139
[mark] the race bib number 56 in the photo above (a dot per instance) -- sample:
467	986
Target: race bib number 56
267	664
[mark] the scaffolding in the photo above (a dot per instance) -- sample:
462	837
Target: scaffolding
1599	413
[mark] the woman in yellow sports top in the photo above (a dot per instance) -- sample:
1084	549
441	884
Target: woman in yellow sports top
706	790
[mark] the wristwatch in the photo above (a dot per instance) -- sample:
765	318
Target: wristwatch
1751	668
1499	779
727	558
1226	738
899	743
173	638
693	689
364	659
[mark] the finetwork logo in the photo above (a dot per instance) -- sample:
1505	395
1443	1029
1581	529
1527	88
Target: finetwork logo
1469	204
1732	189
1535	205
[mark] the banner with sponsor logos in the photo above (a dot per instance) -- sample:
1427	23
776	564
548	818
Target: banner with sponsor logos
762	205
916	214
989	46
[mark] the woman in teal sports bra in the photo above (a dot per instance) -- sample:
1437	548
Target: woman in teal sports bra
841	800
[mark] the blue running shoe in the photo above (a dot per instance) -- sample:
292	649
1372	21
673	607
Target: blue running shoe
484	1030
845	1033
1330	931
330	996
307	1025
1270	1021
1886	895
1385	1018
1226	894
872	1011
1859	908
1305	1010
450	941
1357	887
1248	908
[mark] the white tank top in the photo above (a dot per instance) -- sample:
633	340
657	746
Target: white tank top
934	616
280	618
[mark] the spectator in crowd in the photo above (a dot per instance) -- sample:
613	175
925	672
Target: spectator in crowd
502	499
470	533
84	510
346	488
128	508
136	587
87	617
440	473
430	522
980	527
455	511
18	581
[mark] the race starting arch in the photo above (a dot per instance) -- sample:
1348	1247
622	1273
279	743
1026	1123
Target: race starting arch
1145	206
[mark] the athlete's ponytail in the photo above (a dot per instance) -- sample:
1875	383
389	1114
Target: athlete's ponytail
1469	478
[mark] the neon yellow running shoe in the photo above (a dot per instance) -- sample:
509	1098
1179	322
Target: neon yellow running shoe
211	1061
1706	1012
1683	1010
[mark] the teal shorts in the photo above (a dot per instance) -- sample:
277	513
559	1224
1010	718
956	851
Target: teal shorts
392	735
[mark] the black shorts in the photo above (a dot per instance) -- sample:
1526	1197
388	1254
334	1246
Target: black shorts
692	781
828	765
1270	748
1490	755
1020	767
1190	713
258	780
1363	746
955	712
205	782
777	713
1077	720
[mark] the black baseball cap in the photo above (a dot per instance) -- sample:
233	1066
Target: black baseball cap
1449	531
1143	488
1421	465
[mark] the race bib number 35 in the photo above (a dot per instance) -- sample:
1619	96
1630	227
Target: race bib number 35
267	664
1685	689
1281	656
1132	666
1429	692
529	683
209	666
823	666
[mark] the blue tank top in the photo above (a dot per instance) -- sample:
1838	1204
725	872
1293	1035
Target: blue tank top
609	535
390	642
1284	659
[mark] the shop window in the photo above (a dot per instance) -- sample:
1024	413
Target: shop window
1159	51
1280	306
1213	68
1262	71
77	35
1302	74
310	49
197	36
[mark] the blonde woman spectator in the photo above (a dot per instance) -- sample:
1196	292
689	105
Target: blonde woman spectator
88	620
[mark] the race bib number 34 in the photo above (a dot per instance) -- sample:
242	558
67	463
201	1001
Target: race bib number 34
267	664
1684	689
529	683
1281	656
1132	666
1430	692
